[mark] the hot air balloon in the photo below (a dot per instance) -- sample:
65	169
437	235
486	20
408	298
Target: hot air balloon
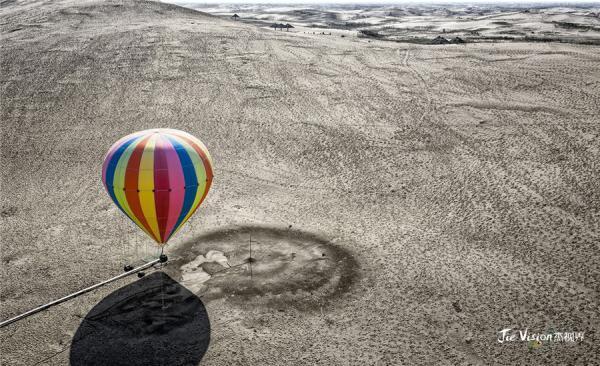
158	178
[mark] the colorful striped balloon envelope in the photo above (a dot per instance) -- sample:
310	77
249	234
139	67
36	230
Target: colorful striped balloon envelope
158	178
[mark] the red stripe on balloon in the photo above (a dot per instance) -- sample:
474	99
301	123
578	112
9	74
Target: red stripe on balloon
161	185
131	184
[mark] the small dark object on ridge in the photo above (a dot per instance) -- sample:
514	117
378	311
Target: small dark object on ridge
141	274
456	306
439	40
127	268
369	33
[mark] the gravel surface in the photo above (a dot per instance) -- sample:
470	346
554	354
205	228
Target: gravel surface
460	181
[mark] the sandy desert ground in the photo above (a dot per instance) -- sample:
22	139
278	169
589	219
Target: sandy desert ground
407	202
421	23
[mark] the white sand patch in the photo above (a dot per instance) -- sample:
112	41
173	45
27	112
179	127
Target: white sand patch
193	276
217	257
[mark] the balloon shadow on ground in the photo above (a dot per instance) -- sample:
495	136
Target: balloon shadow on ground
153	321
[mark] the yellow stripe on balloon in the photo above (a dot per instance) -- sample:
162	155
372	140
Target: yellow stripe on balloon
119	184
146	186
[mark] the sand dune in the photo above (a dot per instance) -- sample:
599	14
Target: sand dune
464	193
579	23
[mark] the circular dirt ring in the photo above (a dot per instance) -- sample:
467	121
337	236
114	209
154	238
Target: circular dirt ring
265	265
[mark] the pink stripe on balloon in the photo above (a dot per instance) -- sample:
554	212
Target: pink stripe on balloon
176	182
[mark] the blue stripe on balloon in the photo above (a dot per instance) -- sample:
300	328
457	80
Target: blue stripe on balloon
110	170
191	181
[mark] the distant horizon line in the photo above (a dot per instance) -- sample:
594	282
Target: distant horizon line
383	2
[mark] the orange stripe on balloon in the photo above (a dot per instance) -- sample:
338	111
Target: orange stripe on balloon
146	185
131	185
